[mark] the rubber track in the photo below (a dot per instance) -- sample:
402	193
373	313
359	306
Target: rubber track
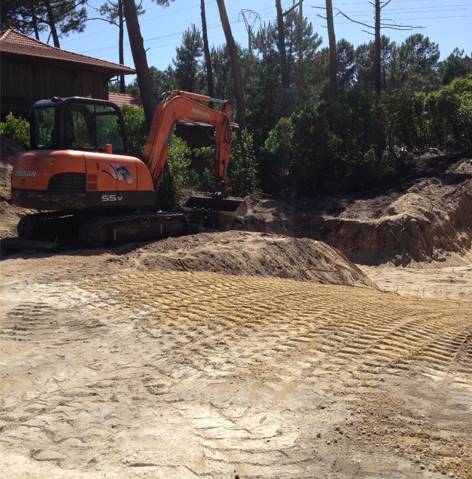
89	228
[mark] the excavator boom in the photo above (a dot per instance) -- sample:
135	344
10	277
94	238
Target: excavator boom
180	106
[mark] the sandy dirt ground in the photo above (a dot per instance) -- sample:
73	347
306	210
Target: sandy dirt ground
242	252
248	355
112	370
450	279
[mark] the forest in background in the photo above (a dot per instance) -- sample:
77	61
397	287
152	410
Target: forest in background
317	117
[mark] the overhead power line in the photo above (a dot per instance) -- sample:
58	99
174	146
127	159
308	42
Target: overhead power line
406	12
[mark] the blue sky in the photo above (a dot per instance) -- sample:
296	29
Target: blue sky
449	23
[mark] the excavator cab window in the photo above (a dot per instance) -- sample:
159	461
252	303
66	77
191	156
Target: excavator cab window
77	123
90	127
45	127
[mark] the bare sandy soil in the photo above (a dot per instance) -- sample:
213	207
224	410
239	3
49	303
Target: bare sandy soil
246	253
112	367
9	214
249	355
451	280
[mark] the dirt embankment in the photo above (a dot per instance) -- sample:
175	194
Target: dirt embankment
9	214
429	218
245	253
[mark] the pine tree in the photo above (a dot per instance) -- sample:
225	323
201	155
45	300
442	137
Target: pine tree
140	57
114	15
188	72
60	17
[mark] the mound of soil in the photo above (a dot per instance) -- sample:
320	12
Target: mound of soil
423	222
245	253
9	214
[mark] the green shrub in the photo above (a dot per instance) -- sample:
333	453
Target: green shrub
408	120
202	170
277	156
449	115
464	119
179	160
16	128
135	125
243	166
329	148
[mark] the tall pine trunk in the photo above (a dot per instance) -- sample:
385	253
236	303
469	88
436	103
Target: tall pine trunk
378	49
52	24
206	49
283	57
301	66
235	64
34	21
140	60
333	57
120	44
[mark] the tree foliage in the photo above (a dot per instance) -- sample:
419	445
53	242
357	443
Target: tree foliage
187	64
60	17
15	128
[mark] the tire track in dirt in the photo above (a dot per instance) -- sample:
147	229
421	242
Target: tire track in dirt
264	328
247	371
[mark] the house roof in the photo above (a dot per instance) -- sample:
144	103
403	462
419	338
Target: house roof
122	99
17	43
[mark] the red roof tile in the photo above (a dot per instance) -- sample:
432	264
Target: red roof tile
14	42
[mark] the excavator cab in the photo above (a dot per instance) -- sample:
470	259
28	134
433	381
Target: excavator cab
81	124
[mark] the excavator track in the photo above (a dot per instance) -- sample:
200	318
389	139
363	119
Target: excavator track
118	229
53	230
93	231
51	226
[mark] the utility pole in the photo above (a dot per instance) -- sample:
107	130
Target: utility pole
250	18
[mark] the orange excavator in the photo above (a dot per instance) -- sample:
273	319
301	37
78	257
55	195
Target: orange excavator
80	176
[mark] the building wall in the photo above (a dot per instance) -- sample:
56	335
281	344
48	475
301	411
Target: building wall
25	81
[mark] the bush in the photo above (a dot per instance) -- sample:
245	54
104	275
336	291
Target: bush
461	88
464	119
243	167
135	125
16	129
179	161
202	171
408	120
277	156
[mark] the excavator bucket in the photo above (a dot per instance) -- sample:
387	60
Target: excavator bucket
216	211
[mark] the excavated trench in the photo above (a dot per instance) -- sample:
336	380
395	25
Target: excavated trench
433	217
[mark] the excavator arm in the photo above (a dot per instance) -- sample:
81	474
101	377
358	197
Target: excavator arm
181	106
